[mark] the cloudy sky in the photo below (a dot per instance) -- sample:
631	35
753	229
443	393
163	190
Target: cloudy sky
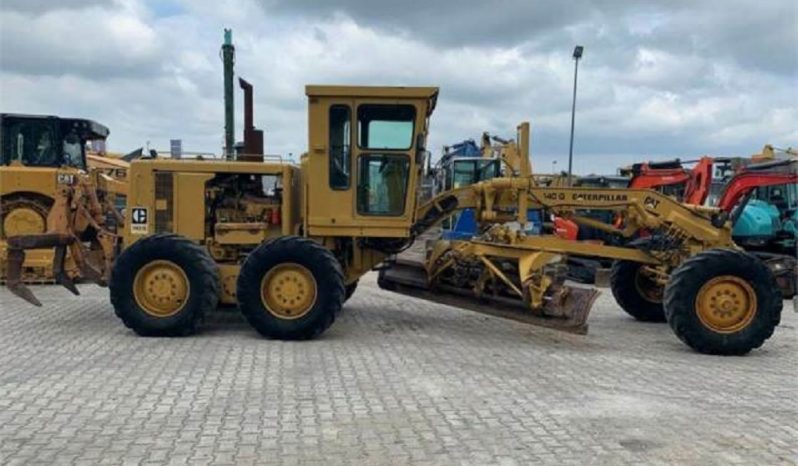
658	79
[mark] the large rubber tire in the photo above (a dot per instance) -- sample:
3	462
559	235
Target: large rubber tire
328	278
626	284
682	299
194	261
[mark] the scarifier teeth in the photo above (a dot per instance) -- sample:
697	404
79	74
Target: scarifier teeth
25	293
67	283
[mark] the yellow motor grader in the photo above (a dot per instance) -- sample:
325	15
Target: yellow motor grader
287	243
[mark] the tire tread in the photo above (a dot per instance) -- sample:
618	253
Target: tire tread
302	247
679	302
209	285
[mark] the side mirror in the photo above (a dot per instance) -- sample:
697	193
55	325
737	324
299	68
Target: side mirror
427	163
420	142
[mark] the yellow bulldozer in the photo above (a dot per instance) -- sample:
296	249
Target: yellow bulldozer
40	154
287	243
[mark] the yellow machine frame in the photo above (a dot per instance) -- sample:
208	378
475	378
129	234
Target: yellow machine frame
268	242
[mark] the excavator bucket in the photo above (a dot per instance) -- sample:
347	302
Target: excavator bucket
566	308
16	257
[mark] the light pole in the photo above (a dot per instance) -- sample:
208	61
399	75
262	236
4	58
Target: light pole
577	55
553	167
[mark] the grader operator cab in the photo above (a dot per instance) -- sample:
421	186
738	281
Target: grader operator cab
288	243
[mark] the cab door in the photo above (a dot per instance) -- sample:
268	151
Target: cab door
330	186
384	155
360	168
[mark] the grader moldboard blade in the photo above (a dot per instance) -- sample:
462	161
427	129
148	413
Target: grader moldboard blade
566	309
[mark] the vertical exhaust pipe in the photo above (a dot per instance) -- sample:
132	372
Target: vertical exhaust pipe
228	60
248	110
253	138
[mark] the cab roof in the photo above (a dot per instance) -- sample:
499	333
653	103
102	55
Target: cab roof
386	92
90	129
371	91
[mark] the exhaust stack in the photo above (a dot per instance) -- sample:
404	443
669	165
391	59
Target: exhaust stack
252	150
228	59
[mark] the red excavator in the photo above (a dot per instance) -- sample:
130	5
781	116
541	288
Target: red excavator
694	186
734	200
690	185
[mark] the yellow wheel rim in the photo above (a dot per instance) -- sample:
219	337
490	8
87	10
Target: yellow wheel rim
726	304
161	288
647	288
288	291
23	221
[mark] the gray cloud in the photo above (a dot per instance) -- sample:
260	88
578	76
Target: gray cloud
453	23
754	33
99	41
39	6
657	80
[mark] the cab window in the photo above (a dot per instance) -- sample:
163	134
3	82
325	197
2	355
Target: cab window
382	185
783	196
340	151
471	171
385	126
72	148
31	142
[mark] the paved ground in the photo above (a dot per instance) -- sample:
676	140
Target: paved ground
395	380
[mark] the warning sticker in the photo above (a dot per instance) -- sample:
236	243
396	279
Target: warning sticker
139	221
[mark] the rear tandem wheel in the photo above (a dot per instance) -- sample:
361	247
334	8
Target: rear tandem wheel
291	288
163	285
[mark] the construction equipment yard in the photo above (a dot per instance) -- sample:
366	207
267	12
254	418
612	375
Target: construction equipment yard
397	380
355	297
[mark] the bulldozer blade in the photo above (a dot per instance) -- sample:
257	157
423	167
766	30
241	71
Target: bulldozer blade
565	311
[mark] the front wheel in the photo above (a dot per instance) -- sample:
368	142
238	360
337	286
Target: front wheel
291	288
723	301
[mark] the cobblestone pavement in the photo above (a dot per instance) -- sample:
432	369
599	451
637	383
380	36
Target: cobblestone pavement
395	381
